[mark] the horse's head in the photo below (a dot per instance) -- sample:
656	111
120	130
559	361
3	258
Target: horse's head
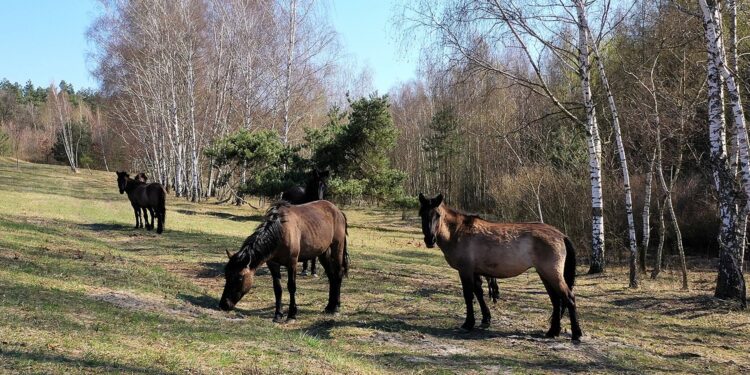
122	180
141	177
318	183
430	213
239	278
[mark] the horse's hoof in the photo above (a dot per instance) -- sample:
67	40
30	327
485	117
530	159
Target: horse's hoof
552	334
315	275
463	329
331	311
303	273
278	319
159	231
291	320
576	338
485	325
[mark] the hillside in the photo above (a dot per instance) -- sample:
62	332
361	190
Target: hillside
81	291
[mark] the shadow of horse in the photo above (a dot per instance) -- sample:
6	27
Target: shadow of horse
222	215
100	227
204	301
323	328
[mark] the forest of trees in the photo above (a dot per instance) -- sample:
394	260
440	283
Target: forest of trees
620	122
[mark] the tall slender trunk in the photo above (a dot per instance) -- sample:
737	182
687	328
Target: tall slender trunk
646	215
667	189
623	166
594	146
730	282
660	249
289	62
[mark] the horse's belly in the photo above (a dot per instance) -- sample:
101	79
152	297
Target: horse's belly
504	261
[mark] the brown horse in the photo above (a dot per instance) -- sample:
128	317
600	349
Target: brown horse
287	235
477	247
144	196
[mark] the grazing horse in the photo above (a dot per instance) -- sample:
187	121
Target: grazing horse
289	234
477	247
144	196
314	191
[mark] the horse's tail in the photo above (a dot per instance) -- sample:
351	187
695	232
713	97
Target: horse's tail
492	289
569	272
345	264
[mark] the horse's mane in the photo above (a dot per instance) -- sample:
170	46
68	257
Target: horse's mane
469	218
260	245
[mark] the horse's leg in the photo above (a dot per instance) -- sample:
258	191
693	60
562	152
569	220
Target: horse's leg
555	298
145	218
313	271
486	316
332	305
569	299
467	283
153	218
291	286
137	212
275	269
304	268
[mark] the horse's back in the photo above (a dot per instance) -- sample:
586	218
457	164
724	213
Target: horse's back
317	224
509	249
152	195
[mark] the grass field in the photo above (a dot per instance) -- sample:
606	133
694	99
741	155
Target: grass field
81	291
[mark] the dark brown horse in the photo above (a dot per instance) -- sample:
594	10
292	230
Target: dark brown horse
144	196
314	190
477	247
287	235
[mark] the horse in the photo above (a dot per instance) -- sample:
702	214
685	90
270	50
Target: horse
288	234
314	191
144	196
477	247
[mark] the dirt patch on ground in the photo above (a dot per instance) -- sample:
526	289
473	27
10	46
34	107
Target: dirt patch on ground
142	303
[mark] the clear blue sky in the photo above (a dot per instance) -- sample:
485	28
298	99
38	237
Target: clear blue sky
45	41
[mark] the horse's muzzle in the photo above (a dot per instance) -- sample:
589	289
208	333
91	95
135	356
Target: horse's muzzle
225	305
430	242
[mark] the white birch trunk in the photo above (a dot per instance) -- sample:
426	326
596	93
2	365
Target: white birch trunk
594	146
623	165
646	215
289	61
730	282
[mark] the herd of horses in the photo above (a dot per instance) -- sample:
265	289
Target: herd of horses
303	226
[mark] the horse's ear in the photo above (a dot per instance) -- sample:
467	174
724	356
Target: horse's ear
229	255
422	199
436	202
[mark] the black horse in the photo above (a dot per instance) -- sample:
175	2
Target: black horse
315	190
149	197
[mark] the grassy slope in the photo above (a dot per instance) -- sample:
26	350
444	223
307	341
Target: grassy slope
81	291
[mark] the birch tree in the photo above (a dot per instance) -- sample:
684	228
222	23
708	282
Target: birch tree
730	282
63	123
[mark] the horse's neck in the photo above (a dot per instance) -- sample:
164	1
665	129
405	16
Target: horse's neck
131	185
451	221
